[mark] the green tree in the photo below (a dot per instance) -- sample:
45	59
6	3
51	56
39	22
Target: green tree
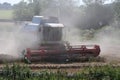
36	7
96	15
116	7
23	11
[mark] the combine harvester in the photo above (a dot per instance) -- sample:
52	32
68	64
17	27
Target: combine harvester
52	47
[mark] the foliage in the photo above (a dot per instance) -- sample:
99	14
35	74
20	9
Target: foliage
92	15
17	72
5	6
23	11
95	16
116	7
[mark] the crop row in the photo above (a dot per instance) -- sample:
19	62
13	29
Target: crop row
17	72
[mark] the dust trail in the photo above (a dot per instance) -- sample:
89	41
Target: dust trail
14	41
108	38
8	48
86	32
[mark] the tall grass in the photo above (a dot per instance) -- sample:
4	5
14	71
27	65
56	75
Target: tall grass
17	72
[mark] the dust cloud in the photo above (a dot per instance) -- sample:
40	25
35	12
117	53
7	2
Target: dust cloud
14	41
96	26
108	38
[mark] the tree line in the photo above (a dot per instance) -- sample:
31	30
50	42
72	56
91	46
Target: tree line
93	13
5	6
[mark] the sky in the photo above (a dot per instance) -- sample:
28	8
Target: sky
17	1
10	1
